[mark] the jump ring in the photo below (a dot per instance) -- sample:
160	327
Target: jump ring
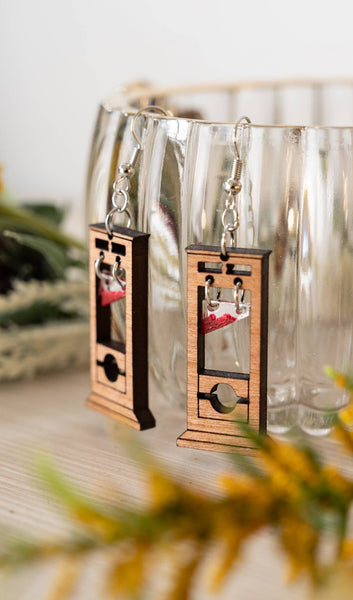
211	304
115	272
97	268
235	218
232	238
109	220
229	203
231	228
224	244
115	195
236	296
128	224
239	307
118	182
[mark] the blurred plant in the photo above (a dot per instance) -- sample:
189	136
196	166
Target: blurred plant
31	243
287	487
43	283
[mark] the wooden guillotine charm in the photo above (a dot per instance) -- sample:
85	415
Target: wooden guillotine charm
119	368
227	319
119	295
212	425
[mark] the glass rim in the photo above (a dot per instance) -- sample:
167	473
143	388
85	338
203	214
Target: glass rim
136	94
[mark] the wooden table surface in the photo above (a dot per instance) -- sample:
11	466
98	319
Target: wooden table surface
49	414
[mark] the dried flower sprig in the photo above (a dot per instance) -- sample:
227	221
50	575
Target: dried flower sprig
288	488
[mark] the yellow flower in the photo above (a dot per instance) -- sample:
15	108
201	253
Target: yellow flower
185	569
99	524
345	436
336	482
251	494
346	416
163	491
223	561
294	461
236	485
299	541
347	549
128	570
65	583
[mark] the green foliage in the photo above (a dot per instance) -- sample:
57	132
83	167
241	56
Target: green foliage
23	219
57	260
32	248
37	313
45	210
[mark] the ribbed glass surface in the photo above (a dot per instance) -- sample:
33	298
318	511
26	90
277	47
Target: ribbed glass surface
297	200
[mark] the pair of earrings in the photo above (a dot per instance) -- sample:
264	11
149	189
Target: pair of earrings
119	359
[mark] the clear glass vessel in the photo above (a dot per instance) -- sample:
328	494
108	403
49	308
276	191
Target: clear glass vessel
296	199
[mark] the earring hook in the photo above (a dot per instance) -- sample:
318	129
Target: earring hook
243	118
150	108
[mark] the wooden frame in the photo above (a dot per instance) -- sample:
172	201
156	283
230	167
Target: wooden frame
208	427
119	372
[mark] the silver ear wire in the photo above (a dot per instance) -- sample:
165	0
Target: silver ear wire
146	109
121	185
243	118
232	187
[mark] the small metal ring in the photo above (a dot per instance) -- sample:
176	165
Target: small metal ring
118	181
232	238
235	225
211	304
239	307
224	244
231	231
229	203
120	193
236	296
99	272
128	224
231	228
115	273
109	219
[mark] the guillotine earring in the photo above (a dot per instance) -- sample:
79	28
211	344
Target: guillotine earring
227	310
118	259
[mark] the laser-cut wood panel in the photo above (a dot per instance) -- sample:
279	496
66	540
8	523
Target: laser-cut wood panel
208	428
119	372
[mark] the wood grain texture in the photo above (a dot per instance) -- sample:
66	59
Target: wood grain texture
126	398
49	414
206	426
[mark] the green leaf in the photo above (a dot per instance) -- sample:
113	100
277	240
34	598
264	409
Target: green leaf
24	220
51	213
52	252
35	314
58	485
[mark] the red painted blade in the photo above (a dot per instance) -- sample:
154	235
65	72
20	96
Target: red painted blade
211	323
108	296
